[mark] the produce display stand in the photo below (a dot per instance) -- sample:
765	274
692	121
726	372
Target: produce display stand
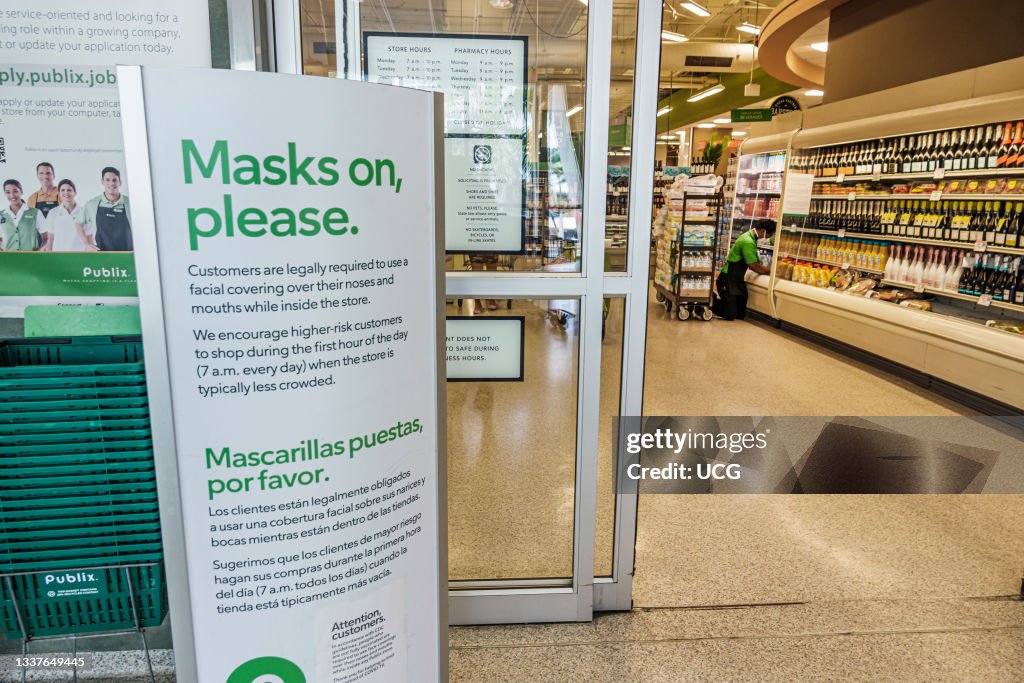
81	553
692	226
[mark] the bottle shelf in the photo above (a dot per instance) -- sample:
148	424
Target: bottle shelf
765	193
924	175
882	237
923	196
951	295
753	218
833	264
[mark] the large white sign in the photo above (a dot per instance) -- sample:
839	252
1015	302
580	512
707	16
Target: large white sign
293	270
60	140
483	81
484	348
797	200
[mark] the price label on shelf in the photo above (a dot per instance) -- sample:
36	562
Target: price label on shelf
875	177
980	246
851	196
939	174
919	289
935	196
846	266
985	300
841	233
841	177
869	295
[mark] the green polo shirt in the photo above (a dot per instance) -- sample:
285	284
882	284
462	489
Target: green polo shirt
745	248
100	200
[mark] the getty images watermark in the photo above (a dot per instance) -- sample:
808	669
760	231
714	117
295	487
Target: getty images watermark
820	455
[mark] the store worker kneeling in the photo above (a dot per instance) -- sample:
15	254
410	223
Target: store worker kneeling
731	300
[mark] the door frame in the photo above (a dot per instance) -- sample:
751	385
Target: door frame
615	593
487	602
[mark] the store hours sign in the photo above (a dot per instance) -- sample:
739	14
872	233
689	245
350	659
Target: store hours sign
483	80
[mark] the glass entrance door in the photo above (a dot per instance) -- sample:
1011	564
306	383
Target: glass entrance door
527	97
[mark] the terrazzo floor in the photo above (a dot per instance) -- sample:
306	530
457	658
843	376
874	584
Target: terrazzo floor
786	588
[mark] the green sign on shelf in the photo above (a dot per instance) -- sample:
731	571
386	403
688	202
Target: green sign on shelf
751	115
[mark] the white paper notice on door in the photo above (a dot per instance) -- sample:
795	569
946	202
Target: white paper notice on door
483	195
484	348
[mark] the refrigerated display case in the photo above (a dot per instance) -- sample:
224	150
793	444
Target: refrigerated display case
914	243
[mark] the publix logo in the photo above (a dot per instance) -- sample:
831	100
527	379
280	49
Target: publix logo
267	670
105	273
62	579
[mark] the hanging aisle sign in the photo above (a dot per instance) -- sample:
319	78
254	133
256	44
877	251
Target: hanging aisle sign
60	141
292	313
483	79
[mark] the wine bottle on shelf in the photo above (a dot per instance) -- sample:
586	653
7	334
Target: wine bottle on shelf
915	154
1010	282
1018	295
948	143
1014	224
992	146
930	219
914	226
978	154
974	223
1014	152
970	161
988	224
1004	147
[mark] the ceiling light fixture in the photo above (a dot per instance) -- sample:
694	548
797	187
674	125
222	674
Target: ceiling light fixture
814	93
695	8
747	27
664	110
667	137
672	37
723	122
706	92
820	47
705	125
501	4
575	110
739	133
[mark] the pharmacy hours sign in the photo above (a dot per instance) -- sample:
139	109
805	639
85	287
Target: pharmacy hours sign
291	307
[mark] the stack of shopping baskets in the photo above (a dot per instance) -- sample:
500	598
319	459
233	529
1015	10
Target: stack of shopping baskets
80	548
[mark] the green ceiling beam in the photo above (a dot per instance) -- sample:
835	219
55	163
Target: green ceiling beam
687	113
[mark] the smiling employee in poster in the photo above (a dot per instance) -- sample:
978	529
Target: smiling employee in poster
108	215
22	228
45	198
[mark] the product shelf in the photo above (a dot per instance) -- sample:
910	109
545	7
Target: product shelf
923	175
923	196
833	264
882	237
952	295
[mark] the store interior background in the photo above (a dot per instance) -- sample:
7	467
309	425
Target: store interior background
772	586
